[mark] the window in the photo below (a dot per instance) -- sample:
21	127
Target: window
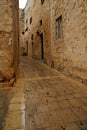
59	28
32	36
42	1
30	20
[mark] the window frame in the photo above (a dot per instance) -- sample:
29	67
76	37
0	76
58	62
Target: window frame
59	33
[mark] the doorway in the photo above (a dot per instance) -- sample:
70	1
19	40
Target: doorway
42	47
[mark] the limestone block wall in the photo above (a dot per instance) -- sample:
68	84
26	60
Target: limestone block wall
40	15
26	28
9	38
21	28
69	53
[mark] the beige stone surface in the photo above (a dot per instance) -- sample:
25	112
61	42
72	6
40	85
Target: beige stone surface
68	53
21	26
38	12
43	99
9	33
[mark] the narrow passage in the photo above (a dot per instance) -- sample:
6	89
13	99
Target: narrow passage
48	100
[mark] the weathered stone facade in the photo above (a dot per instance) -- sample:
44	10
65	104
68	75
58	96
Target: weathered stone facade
9	38
37	28
21	23
67	53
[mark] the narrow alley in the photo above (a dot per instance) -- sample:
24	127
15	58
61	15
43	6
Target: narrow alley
43	65
44	99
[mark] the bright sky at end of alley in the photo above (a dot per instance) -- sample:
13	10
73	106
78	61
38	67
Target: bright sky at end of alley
22	3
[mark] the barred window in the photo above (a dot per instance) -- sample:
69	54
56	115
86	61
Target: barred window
59	27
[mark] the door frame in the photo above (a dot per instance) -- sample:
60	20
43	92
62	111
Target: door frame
42	46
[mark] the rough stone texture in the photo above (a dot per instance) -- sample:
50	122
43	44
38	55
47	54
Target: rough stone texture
9	38
43	99
69	53
21	23
38	12
2	78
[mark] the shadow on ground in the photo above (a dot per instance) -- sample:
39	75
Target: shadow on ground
5	97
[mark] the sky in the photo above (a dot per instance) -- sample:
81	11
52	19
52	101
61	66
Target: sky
22	3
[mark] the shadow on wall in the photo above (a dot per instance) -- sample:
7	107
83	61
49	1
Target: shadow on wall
23	51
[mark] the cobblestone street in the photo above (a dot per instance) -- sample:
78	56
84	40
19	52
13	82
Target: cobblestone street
44	99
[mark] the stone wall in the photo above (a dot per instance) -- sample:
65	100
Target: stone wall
69	52
40	25
21	23
9	39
